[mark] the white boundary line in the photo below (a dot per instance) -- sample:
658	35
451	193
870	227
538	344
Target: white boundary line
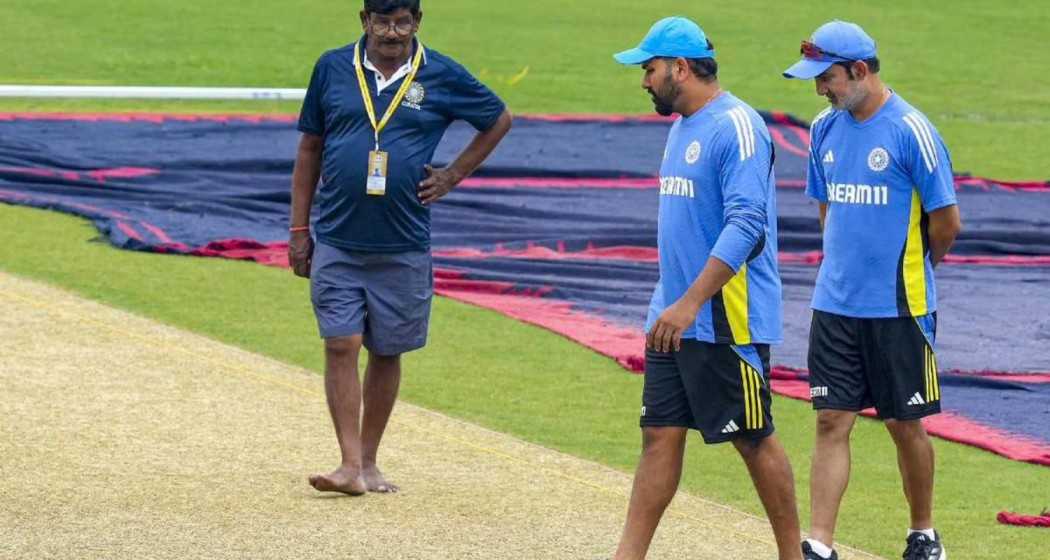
122	92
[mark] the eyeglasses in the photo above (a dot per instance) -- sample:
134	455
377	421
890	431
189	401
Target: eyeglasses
402	28
813	52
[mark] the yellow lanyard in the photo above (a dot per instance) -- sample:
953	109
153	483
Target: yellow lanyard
366	94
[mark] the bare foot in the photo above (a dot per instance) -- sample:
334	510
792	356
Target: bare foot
343	479
376	483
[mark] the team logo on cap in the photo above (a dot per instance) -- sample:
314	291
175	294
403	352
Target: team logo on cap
878	159
692	153
414	96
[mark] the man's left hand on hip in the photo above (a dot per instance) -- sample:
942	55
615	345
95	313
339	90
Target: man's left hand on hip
438	183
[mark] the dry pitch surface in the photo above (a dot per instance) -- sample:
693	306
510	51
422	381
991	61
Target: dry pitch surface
123	438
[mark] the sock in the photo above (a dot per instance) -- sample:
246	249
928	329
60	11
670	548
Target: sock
928	532
822	550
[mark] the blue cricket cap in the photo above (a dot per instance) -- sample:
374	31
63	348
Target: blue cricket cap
835	41
670	37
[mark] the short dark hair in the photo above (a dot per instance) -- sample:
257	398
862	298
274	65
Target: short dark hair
873	65
391	6
704	68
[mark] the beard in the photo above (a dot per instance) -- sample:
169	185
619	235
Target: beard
854	96
664	103
662	107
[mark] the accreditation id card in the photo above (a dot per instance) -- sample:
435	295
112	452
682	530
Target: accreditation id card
376	184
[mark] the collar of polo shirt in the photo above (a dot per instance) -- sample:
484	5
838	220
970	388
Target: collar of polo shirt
381	81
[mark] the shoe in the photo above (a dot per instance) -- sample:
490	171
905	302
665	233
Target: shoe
921	547
809	554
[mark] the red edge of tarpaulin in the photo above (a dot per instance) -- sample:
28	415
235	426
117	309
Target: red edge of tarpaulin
1005	376
953	427
148	117
558	316
630	253
1011	518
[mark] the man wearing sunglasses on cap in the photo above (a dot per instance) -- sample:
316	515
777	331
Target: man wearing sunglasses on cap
374	113
883	180
717	306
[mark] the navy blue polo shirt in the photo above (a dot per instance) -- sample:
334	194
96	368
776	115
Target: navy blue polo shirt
443	92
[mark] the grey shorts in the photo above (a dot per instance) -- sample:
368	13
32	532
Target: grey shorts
383	296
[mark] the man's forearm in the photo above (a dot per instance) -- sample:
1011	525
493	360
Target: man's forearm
480	147
940	244
304	183
714	275
944	226
743	235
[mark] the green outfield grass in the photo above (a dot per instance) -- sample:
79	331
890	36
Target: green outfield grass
971	66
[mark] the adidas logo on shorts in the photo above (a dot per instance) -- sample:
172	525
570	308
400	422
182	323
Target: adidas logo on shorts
916	400
730	428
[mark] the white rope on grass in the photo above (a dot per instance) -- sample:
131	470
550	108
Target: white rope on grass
124	92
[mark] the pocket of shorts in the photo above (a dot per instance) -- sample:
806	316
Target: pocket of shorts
420	271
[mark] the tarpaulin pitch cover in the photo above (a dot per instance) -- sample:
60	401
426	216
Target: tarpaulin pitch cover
559	229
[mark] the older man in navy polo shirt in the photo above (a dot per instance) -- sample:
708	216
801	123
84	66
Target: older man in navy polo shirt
373	115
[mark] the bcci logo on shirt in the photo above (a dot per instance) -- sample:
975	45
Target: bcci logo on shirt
692	153
878	159
414	96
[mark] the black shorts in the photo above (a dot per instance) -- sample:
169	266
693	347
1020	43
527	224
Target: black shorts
886	363
718	389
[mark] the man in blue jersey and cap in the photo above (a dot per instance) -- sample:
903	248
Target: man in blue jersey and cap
717	306
883	179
